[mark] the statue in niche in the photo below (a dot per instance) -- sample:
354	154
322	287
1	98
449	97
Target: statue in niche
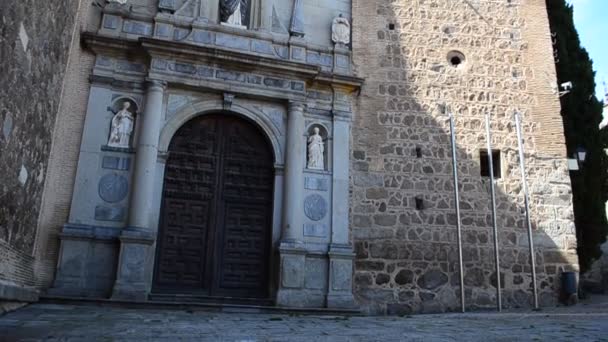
340	30
122	127
235	12
316	151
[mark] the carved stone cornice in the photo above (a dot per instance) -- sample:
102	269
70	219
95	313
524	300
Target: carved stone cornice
147	48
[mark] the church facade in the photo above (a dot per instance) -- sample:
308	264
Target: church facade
297	154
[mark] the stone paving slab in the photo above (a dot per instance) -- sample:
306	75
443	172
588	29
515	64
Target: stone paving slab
47	322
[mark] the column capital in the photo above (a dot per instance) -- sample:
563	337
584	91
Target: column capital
154	84
297	106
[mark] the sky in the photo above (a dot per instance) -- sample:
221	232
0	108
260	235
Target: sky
591	20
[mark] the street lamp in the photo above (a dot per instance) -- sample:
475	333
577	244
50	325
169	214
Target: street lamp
577	160
581	154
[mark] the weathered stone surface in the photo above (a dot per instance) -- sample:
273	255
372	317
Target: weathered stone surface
401	135
382	278
404	277
432	280
474	277
33	57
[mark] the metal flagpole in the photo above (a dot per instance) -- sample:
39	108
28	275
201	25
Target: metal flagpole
457	198
527	203
494	223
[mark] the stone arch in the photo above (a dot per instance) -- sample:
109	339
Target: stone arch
191	111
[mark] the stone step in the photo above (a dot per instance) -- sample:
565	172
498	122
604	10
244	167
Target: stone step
202	299
166	303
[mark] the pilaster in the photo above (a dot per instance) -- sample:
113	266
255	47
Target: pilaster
293	255
135	264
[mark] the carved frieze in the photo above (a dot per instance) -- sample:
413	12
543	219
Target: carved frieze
206	72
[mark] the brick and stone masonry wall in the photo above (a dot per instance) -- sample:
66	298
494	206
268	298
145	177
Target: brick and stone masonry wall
64	153
407	258
35	39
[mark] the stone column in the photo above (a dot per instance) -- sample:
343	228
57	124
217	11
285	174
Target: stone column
292	231
293	254
135	264
340	287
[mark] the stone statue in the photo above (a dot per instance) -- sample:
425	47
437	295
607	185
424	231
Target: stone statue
122	127
316	150
340	30
234	12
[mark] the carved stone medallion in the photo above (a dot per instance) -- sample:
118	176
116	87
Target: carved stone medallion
315	207
113	188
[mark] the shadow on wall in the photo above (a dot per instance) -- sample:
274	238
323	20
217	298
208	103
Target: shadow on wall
402	204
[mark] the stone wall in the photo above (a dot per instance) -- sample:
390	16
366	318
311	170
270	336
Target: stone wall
35	41
63	159
407	257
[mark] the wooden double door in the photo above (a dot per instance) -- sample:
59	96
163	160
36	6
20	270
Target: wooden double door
216	217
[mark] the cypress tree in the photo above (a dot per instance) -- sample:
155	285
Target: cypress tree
581	113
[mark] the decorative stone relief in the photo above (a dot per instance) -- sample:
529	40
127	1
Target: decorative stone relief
176	102
116	163
114	214
137	27
113	188
122	127
206	72
316	151
166	6
340	30
318	184
318	230
315	207
342	275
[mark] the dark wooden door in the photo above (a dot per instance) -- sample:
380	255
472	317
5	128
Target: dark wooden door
216	218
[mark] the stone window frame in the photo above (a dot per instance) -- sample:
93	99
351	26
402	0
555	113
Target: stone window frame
255	13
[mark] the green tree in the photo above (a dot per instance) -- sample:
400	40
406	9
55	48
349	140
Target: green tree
582	113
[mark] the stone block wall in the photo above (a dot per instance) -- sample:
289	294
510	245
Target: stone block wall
407	257
35	41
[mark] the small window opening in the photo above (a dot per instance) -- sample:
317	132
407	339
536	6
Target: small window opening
418	152
456	59
484	160
391	26
419	203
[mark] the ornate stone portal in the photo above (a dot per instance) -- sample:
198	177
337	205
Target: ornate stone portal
281	87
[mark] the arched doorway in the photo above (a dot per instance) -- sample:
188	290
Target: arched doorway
216	217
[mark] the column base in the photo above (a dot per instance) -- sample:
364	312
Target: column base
341	301
87	261
292	275
134	275
340	294
300	298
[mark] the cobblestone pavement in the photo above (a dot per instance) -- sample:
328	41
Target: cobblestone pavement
46	322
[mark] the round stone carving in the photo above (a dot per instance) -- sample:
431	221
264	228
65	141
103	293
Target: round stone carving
113	188
315	207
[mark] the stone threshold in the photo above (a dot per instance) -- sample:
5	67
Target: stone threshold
197	306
